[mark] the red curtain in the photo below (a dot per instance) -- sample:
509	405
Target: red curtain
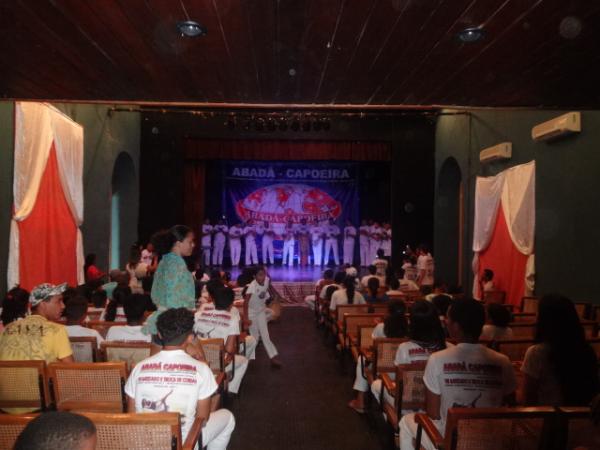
507	263
48	236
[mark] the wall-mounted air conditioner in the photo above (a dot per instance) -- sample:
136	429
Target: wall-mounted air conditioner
559	126
497	152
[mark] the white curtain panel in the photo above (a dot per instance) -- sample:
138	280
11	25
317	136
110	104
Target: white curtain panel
515	187
36	126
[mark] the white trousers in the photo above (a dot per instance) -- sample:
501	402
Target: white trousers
373	247
217	431
267	251
260	330
235	251
310	300
364	253
251	344
288	252
251	253
206	256
217	256
241	365
408	432
329	245
318	253
360	383
348	251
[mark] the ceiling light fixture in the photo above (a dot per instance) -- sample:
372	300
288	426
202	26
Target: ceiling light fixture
190	28
471	35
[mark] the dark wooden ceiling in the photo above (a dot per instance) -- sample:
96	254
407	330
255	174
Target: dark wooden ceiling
361	52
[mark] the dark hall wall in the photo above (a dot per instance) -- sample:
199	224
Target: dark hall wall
412	165
567	241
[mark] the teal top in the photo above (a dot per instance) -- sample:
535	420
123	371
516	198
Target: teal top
173	287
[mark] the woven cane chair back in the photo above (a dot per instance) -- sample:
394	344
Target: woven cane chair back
84	348
102	326
581	432
11	427
23	385
350	309
353	321
494	297
410	388
214	352
131	352
365	336
384	354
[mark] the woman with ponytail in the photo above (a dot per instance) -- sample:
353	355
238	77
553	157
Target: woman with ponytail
173	285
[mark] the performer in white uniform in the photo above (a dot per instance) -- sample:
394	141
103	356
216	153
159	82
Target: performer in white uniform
205	242
235	244
267	242
250	240
374	240
288	243
316	238
332	231
364	231
349	238
220	231
386	243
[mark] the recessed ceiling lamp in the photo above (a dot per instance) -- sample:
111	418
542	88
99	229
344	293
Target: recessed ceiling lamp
190	28
471	35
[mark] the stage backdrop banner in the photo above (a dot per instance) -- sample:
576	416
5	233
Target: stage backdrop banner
279	191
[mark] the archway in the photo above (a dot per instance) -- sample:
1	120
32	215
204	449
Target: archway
450	222
122	194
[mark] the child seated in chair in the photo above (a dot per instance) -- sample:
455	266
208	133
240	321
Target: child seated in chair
173	381
76	313
497	327
134	307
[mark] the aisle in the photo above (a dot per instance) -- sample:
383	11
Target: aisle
303	405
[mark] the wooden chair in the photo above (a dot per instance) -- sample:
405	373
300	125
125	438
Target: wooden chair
131	352
94	315
407	389
149	431
102	326
23	384
347	309
494	297
396	297
379	308
530	304
382	359
362	341
488	428
523	330
350	324
89	386
577	429
214	352
515	349
85	349
11	427
524	317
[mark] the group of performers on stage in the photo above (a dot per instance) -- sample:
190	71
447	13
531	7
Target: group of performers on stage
317	242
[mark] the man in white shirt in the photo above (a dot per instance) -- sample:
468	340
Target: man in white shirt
289	241
468	375
316	239
76	313
267	234
216	321
173	381
235	244
205	241
425	266
332	231
349	239
386	239
250	240
374	240
380	263
363	241
220	231
134	307
364	281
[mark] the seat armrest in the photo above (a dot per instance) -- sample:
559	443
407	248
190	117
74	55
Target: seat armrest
194	435
425	423
388	383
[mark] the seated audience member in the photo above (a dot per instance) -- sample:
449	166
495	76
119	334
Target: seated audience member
394	326
98	299
409	268
76	313
348	295
487	281
394	286
215	321
448	386
337	281
439	288
372	292
137	270
380	263
498	318
562	369
408	285
153	385
14	306
325	281
58	430
113	280
114	311
134	307
91	271
364	281
442	303
426	336
350	270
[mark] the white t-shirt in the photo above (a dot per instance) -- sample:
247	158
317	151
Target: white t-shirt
364	231
410	272
211	323
425	262
332	232
220	232
234	233
127	333
250	234
340	297
495	333
349	233
381	265
537	365
316	234
79	331
374	233
378	331
411	352
259	294
206	235
468	375
171	381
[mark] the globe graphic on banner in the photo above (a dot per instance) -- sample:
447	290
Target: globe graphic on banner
279	203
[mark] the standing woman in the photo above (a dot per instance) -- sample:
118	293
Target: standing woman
173	285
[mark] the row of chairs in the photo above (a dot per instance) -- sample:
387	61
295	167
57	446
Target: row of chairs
156	431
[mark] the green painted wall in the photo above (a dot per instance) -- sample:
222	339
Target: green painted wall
106	136
567	180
